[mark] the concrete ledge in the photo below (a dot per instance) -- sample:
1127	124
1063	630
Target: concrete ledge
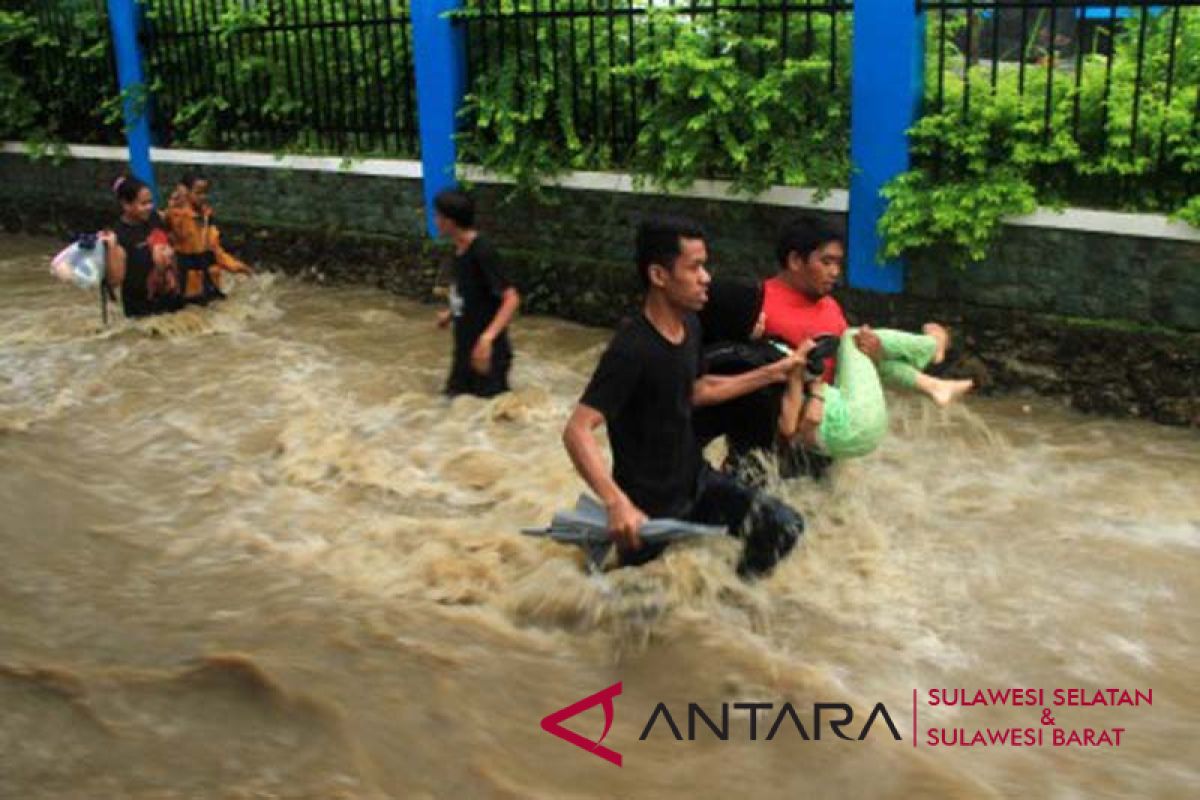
1148	226
396	168
836	201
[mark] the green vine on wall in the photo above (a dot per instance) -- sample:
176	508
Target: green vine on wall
716	98
714	115
973	170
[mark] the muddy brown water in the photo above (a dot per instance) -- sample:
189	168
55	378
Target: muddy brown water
248	551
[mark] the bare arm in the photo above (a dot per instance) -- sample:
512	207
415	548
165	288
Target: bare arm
510	301
791	406
711	390
794	404
481	354
811	414
624	518
226	260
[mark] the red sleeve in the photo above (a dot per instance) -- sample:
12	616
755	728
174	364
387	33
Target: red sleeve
840	324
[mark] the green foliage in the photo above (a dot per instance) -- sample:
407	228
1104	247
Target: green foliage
238	74
714	115
55	79
960	216
521	126
18	111
1000	158
217	76
1190	213
715	98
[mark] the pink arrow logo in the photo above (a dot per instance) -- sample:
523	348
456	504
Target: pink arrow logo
550	723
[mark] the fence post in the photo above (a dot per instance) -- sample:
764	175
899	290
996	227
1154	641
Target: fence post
123	20
885	97
439	58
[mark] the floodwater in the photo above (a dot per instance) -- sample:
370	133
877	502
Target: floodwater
249	552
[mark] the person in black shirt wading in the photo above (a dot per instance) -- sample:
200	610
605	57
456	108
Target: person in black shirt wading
482	302
644	389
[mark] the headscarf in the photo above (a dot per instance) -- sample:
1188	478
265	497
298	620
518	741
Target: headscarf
731	311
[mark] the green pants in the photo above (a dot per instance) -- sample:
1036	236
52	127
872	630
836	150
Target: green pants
855	419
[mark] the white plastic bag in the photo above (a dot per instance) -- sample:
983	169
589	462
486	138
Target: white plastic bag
82	263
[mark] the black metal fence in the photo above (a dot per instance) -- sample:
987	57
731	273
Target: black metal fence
315	75
582	65
1116	81
67	68
1118	76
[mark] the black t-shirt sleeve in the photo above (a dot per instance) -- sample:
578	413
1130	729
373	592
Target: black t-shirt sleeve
695	334
492	269
614	380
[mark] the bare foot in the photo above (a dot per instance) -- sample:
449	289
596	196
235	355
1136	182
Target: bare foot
941	336
944	392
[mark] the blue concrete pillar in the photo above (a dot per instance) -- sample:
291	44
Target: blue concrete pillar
886	87
439	57
124	18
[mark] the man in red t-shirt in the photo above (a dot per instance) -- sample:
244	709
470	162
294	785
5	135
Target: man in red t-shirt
798	302
849	417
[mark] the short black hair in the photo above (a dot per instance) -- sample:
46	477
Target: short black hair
457	206
658	242
803	235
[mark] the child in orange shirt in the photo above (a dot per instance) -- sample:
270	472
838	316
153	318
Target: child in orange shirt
197	241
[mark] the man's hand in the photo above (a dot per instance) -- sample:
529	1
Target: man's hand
802	350
624	521
782	369
481	356
869	343
443	317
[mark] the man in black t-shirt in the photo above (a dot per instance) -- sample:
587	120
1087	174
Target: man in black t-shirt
644	389
482	302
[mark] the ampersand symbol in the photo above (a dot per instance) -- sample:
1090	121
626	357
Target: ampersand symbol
1046	718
